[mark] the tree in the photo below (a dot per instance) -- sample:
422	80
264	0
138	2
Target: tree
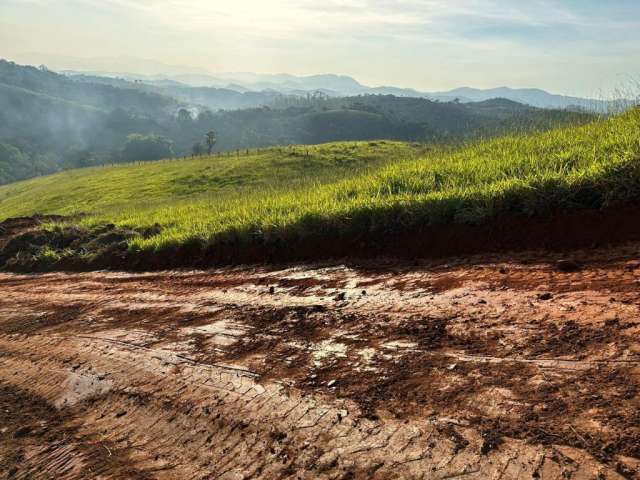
146	147
184	117
79	157
211	141
205	116
198	149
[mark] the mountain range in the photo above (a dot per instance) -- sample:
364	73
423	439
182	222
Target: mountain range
342	85
160	74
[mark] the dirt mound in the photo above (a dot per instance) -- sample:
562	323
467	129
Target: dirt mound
12	227
25	246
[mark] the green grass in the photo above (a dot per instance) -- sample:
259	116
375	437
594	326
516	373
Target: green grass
119	190
347	188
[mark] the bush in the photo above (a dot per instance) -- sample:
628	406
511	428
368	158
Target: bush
13	164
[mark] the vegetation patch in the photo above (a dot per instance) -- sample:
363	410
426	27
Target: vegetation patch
66	246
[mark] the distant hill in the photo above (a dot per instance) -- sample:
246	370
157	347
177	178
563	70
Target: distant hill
102	94
233	97
530	96
222	98
340	84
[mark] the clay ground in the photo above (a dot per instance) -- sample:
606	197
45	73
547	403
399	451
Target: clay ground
498	367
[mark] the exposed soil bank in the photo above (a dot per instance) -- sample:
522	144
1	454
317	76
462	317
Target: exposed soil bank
21	243
580	229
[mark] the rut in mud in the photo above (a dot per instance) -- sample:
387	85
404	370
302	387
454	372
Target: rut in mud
495	367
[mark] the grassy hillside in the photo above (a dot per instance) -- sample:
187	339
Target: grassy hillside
367	190
114	191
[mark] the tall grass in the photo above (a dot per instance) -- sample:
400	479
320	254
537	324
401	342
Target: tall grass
585	167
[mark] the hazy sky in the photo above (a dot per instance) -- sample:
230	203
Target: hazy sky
567	46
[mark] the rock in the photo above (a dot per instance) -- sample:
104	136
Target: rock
341	296
331	383
272	290
503	270
22	432
632	265
545	296
567	265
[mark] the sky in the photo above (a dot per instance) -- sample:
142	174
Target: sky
576	47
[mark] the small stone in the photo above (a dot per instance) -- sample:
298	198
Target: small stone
331	383
503	270
341	296
545	296
272	289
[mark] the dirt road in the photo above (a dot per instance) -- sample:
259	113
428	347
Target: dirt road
501	367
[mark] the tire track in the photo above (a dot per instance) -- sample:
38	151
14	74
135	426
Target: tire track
208	422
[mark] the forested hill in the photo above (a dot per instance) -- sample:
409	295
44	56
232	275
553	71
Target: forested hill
51	122
95	94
